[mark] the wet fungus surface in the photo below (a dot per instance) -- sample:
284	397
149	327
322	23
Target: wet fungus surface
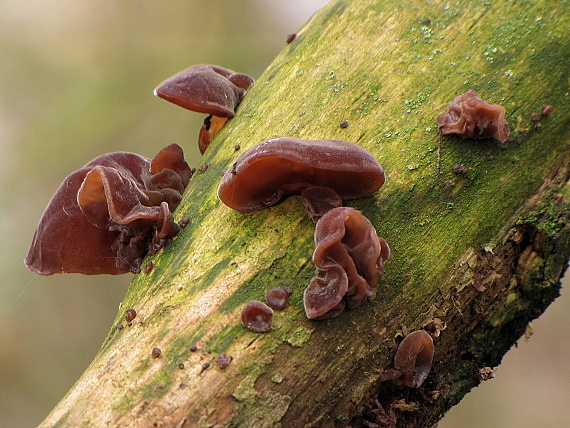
108	215
349	257
468	116
257	316
414	358
278	298
265	174
208	89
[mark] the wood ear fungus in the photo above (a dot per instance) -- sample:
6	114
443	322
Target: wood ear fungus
349	257
266	173
468	116
257	316
414	358
278	298
108	215
208	89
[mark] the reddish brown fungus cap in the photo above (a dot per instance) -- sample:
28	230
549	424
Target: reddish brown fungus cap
257	316
206	89
349	256
414	358
264	174
105	217
468	116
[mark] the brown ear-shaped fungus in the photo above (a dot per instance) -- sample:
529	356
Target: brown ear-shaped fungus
349	257
257	316
108	215
469	116
414	358
208	89
266	173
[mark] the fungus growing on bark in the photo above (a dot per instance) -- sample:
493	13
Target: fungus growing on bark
546	110
266	173
223	360
414	358
108	215
349	257
208	89
468	116
130	315
278	298
257	316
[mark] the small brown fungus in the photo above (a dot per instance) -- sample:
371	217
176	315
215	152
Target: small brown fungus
156	352
278	298
468	116
223	360
148	268
291	37
181	366
349	256
130	315
120	326
414	358
535	117
546	110
344	124
458	169
208	89
193	348
108	215
257	316
268	172
184	222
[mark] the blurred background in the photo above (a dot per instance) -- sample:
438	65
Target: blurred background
76	81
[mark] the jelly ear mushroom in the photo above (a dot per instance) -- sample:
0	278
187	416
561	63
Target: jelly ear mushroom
266	173
414	358
349	256
257	316
468	116
108	215
208	89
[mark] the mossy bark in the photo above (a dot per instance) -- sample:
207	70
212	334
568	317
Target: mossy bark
388	68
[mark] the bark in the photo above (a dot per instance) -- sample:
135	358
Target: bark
483	251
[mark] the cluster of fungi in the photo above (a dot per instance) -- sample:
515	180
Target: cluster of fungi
107	216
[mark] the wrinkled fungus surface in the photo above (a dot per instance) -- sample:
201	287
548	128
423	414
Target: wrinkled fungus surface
266	173
223	360
414	358
130	315
257	316
349	257
469	116
108	215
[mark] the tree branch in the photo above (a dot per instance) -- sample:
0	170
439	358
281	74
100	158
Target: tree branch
388	69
